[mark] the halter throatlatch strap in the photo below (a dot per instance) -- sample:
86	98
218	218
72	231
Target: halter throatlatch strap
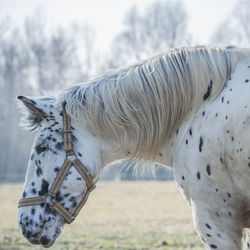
67	135
68	147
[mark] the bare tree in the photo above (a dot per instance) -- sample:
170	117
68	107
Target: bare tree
235	29
161	26
13	77
63	59
33	59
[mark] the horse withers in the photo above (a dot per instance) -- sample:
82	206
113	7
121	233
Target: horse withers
187	109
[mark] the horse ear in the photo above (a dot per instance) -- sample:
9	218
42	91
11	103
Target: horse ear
34	107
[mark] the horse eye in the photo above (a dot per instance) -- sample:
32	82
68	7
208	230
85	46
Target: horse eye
42	148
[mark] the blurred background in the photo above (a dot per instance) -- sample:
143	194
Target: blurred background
49	45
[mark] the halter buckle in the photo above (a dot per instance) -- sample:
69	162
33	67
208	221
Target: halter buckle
70	221
71	157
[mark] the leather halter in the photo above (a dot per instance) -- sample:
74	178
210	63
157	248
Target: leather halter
50	197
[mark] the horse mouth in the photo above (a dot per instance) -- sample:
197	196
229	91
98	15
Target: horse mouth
47	244
43	241
42	238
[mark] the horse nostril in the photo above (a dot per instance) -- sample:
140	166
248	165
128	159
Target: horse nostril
44	240
23	230
28	235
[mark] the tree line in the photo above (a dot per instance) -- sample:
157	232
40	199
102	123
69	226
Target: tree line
35	57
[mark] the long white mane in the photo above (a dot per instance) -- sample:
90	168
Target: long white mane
139	106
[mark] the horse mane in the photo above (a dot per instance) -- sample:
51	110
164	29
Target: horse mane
141	105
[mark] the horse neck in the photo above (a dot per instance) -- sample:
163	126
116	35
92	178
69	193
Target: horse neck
111	152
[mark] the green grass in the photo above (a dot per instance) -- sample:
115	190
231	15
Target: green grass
118	215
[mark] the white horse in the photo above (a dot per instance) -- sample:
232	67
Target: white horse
188	109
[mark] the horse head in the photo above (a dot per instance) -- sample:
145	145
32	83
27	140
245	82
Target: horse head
41	223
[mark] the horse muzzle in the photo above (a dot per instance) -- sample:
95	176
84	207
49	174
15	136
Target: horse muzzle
43	234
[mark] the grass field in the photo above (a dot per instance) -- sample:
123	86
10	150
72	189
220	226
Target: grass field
118	215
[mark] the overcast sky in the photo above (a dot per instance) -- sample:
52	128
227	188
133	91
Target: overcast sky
106	16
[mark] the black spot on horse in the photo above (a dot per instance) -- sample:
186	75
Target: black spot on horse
203	113
183	177
79	154
59	196
222	99
41	148
200	144
59	146
198	175
209	90
190	131
72	198
213	246
247	80
208	169
33	190
49	210
221	160
24	194
78	178
208	235
56	169
208	226
32	157
186	142
74	204
33	211
38	171
44	187
160	154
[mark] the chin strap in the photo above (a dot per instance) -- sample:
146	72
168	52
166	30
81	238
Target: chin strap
50	198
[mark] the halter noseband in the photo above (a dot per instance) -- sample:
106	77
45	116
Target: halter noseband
50	197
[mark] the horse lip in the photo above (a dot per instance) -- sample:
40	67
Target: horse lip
34	241
48	245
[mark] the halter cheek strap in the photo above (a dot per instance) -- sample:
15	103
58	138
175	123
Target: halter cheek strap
68	147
